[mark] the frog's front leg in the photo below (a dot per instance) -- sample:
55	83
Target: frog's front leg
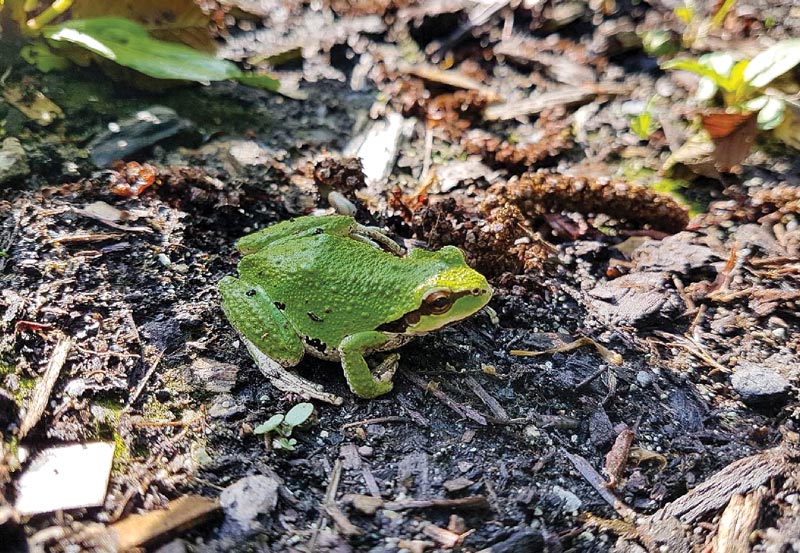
359	377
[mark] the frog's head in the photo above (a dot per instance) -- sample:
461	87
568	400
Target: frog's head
451	294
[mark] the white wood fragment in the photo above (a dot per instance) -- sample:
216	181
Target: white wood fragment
65	478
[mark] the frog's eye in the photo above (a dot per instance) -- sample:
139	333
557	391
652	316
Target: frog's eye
437	302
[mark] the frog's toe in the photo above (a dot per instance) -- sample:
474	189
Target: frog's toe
384	372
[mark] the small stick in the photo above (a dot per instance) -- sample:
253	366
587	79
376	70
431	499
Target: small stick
377	420
332	509
493	405
143	382
596	481
38	402
470	502
463	410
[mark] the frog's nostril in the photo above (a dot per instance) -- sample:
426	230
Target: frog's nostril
476	292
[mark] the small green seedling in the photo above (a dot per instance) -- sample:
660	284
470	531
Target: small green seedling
643	124
745	84
280	426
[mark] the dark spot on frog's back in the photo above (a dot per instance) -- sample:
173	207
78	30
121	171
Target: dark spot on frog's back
251	292
318	230
317	344
314	317
279	305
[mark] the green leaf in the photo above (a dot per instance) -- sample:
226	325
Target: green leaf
269	426
699	69
259	81
128	43
771	115
640	125
284	443
773	62
299	414
659	43
45	60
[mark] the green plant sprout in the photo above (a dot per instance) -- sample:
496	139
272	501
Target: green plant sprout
280	426
643	124
745	84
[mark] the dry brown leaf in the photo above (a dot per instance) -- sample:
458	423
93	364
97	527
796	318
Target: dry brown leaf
171	20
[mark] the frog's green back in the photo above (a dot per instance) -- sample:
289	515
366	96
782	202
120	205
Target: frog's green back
330	286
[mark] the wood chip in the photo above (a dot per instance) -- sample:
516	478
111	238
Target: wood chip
617	458
41	395
159	526
737	523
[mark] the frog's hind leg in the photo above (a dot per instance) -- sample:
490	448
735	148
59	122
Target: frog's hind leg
254	315
376	237
359	377
272	342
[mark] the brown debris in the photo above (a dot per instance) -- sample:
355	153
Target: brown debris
737	522
344	175
158	526
131	179
783	199
499	243
617	457
519	158
539	193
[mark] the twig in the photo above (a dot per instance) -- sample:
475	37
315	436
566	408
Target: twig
377	420
463	410
143	382
692	347
596	481
286	381
41	395
493	405
589	379
332	509
470	502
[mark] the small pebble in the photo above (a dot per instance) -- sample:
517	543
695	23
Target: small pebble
758	384
365	451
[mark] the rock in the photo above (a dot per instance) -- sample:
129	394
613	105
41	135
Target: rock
248	498
13	161
644	378
225	406
523	540
758	384
570	501
634	298
163	333
675	254
214	376
601	431
457	484
144	129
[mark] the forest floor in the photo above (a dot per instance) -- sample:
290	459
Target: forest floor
502	128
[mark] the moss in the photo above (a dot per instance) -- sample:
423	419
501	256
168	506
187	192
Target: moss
107	430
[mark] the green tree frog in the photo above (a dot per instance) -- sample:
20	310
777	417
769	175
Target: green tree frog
338	290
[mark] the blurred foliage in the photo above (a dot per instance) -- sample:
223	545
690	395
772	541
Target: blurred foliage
165	40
